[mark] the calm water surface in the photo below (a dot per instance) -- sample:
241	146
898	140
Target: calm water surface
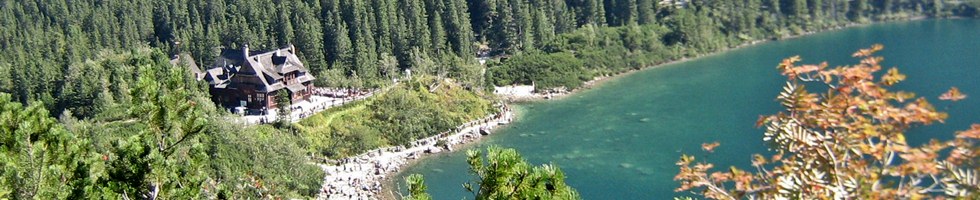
621	139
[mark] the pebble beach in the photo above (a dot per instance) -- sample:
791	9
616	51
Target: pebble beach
362	176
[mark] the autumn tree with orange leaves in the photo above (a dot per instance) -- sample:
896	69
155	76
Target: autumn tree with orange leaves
846	143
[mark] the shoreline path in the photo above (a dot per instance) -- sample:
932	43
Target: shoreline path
323	99
361	177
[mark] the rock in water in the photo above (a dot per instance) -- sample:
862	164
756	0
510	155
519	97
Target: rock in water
626	165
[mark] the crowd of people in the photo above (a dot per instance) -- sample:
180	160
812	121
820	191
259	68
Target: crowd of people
339	93
350	182
361	177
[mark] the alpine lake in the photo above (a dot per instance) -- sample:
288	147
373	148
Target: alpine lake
620	139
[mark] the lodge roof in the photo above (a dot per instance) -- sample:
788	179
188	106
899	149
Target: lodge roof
265	69
188	61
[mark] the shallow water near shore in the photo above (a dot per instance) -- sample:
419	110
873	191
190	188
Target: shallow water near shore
620	140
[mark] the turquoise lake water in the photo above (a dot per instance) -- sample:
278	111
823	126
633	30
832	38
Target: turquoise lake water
620	140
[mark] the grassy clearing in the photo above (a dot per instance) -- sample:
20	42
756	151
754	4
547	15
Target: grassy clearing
396	116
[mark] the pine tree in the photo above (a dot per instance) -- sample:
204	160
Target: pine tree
504	30
309	39
284	24
547	181
543	28
563	16
816	9
646	11
418	28
284	108
365	50
436	27
800	10
384	16
339	46
416	188
459	29
937	8
859	10
40	159
165	155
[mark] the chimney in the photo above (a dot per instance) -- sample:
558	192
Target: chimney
245	51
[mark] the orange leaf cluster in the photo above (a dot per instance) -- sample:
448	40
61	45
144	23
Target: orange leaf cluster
953	94
710	147
973	133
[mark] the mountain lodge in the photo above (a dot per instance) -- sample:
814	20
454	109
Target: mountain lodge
250	79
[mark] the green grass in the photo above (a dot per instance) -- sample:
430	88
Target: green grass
394	116
326	117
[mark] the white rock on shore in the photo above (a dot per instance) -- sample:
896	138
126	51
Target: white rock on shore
361	177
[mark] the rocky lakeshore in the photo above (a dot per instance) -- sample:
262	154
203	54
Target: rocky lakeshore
362	176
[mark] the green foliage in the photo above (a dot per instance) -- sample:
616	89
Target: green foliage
164	158
345	40
626	39
165	141
966	8
284	104
416	188
575	57
156	158
408	111
341	131
423	107
695	30
258	162
506	175
38	158
544	70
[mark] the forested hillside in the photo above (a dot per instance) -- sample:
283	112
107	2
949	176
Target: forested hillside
624	35
358	43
